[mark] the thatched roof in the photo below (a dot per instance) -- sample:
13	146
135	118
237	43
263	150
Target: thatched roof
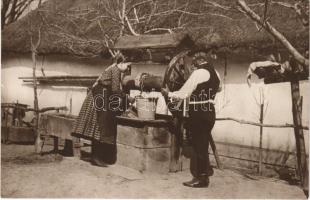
83	38
58	34
153	41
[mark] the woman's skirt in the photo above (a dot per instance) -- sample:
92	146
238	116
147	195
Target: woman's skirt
95	121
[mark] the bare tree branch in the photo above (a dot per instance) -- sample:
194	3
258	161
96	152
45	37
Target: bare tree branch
12	10
274	32
137	5
158	29
214	4
133	32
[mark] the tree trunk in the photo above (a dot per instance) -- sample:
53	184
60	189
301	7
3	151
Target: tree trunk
36	103
299	136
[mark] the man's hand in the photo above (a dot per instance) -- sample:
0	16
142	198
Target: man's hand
165	91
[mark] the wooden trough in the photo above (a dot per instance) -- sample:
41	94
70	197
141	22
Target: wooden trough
12	124
17	134
58	125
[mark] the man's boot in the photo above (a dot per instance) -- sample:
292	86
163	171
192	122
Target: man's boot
201	182
187	183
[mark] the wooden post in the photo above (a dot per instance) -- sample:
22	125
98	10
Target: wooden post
56	144
76	147
70	108
216	156
261	120
6	136
35	102
175	161
299	136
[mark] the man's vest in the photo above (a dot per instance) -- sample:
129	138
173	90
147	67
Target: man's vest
207	90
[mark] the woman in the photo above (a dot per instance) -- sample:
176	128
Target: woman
96	120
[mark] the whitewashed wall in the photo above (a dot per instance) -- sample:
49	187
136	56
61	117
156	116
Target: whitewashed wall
238	101
13	88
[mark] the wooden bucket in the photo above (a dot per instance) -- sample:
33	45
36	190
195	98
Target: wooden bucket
146	107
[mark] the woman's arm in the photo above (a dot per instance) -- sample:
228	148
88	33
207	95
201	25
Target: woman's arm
105	77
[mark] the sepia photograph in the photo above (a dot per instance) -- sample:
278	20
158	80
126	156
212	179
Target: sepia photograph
155	99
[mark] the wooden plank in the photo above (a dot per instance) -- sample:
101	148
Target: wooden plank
150	41
12	105
32	109
69	82
142	122
60	77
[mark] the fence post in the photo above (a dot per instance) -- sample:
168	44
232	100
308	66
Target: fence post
299	136
261	120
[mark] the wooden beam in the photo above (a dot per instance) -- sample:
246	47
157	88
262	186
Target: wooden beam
64	82
33	110
60	77
241	121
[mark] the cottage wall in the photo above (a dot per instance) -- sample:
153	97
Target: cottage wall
236	100
16	66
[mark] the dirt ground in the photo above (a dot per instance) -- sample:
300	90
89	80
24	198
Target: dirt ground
24	174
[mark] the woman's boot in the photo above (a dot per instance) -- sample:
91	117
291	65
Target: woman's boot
96	154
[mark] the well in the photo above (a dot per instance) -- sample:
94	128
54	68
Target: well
144	145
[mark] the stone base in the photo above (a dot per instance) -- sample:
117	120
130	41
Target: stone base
144	160
144	148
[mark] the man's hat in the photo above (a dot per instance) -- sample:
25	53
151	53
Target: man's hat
200	60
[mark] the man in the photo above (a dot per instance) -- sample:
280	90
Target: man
201	87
